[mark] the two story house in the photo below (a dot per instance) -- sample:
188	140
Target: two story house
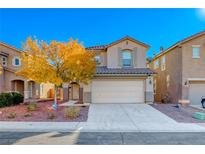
121	75
9	81
181	70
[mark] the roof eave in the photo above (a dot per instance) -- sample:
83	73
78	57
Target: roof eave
179	43
128	38
124	75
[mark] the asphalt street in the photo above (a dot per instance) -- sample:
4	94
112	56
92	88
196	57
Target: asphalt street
102	138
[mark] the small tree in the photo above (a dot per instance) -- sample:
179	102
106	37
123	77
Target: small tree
56	63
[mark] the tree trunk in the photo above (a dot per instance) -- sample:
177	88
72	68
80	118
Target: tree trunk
55	105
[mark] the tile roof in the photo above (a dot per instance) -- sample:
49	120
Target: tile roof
102	47
99	47
105	70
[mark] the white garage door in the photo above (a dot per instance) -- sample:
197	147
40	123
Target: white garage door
196	91
118	91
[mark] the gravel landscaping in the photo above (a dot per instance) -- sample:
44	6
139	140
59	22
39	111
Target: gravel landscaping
182	114
43	113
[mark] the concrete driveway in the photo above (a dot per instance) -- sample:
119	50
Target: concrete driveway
132	117
110	118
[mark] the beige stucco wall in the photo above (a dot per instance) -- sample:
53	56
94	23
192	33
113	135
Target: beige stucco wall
173	66
8	74
192	67
180	66
139	54
12	53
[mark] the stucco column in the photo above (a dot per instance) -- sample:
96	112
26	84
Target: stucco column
36	90
81	93
65	92
26	92
149	94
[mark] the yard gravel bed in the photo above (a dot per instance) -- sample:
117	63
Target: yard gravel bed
41	114
182	114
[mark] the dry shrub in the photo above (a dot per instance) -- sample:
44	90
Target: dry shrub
11	115
32	106
51	116
72	112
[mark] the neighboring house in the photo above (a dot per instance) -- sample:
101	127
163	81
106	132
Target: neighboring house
181	70
121	75
9	81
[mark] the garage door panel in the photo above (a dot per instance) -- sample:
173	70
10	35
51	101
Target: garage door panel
117	91
196	91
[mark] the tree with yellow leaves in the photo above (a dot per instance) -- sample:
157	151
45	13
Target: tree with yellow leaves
56	63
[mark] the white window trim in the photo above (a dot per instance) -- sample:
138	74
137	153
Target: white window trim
163	63
131	58
13	61
196	46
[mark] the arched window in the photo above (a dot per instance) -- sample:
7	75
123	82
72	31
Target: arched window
16	61
98	59
126	58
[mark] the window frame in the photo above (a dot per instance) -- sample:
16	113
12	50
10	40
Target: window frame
131	58
193	55
98	62
156	66
6	61
14	61
163	63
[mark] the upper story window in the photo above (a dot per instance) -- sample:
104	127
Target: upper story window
195	52
163	63
126	58
4	61
16	61
98	59
156	64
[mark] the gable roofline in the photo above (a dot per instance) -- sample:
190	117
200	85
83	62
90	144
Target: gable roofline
9	46
128	38
104	47
189	38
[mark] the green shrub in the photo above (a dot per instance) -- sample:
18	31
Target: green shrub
9	99
32	106
72	112
11	115
17	98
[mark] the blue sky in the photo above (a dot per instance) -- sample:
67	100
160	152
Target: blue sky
156	27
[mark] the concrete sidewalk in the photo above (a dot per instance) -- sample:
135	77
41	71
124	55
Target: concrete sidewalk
110	118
